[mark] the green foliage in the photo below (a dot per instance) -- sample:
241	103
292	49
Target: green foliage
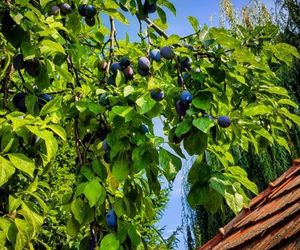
105	161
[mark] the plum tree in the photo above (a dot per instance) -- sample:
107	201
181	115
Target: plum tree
79	88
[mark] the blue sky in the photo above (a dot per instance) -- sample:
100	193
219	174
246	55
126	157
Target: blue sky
207	12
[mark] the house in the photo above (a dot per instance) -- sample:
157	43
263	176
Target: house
272	220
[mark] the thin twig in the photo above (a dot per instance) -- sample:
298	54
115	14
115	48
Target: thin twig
111	43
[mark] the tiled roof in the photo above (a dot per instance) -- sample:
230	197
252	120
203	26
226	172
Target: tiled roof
272	220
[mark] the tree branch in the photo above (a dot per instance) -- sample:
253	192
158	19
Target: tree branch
156	28
111	43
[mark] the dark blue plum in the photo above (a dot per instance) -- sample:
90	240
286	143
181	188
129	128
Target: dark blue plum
144	129
181	108
82	9
19	102
224	121
18	62
128	73
144	63
167	52
115	67
90	21
155	55
45	97
149	7
185	64
90	10
143	72
65	9
111	80
111	219
157	94
32	67
125	62
54	10
186	97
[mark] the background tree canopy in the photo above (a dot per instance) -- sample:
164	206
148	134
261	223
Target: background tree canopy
81	167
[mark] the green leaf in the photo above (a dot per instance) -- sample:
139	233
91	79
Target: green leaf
293	117
52	106
275	90
120	167
195	143
50	142
162	15
30	102
34	219
199	173
288	102
198	195
134	236
123	111
22	163
59	131
81	211
257	110
93	192
6	170
183	127
234	200
203	124
28	50
44	3
194	22
42	80
170	6
224	38
109	242
203	101
120	78
117	15
72	227
48	46
145	104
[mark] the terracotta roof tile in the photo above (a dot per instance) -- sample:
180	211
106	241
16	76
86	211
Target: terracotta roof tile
272	220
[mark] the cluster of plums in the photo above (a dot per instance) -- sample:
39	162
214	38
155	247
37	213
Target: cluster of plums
64	9
32	67
86	10
89	12
19	101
